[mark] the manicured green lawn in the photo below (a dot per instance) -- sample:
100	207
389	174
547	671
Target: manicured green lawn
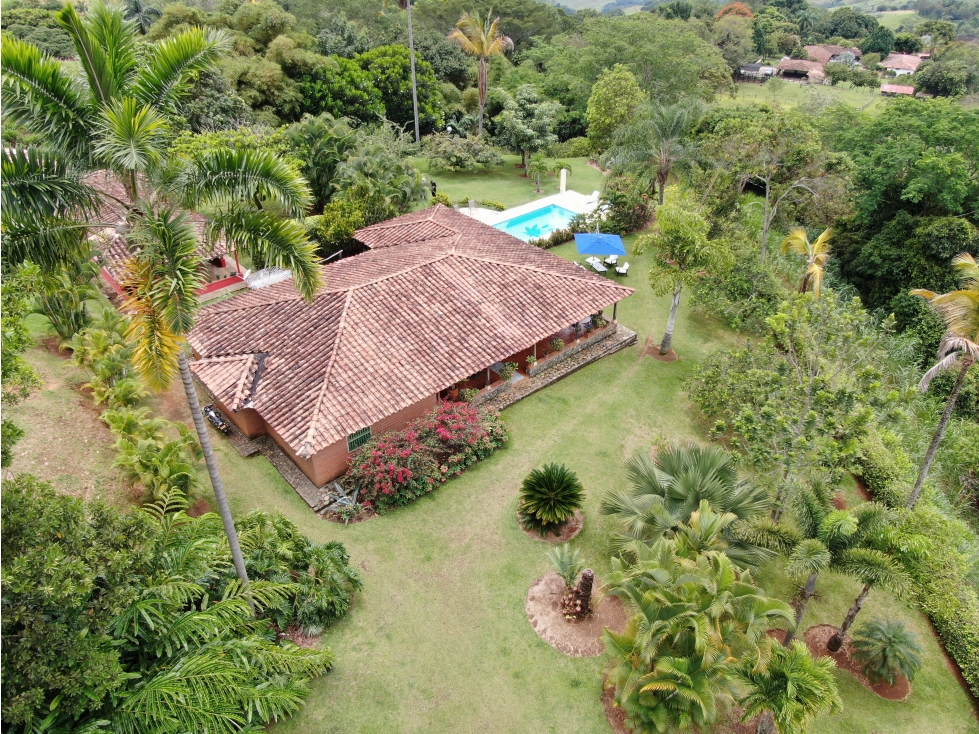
506	183
793	94
438	641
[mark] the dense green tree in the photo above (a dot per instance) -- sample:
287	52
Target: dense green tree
341	88
526	124
212	104
389	70
733	36
846	23
887	649
341	37
135	622
907	43
614	99
775	151
804	397
667	57
682	253
881	41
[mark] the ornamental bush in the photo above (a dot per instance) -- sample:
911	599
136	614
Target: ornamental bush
549	497
397	468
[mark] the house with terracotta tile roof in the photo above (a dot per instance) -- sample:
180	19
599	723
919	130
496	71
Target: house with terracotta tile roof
439	301
828	53
901	64
892	90
222	273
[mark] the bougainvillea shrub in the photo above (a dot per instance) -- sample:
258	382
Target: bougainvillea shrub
396	468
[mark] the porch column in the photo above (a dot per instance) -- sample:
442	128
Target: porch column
615	310
488	377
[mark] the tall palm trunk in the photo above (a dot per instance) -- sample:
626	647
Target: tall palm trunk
939	433
836	641
807	593
664	347
481	87
662	176
212	469
414	85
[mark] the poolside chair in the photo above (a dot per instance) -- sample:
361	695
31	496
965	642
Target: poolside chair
623	269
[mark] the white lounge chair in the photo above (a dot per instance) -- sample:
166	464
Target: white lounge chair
611	260
623	270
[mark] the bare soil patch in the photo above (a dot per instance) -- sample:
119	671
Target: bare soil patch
567	532
294	635
816	638
576	638
839	501
652	350
614	714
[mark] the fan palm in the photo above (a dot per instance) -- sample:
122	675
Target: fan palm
654	142
114	118
549	497
959	348
667	491
481	37
887	649
816	254
789	690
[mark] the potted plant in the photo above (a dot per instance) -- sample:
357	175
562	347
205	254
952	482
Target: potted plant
453	393
556	345
507	370
468	394
599	321
531	361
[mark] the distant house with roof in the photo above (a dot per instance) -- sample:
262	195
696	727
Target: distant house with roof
756	72
222	273
439	301
801	68
829	53
901	64
893	90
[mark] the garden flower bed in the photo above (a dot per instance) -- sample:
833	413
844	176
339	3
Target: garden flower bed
399	467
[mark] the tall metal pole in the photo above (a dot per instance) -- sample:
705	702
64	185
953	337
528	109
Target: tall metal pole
414	86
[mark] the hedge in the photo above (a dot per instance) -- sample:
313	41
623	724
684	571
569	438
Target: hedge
940	586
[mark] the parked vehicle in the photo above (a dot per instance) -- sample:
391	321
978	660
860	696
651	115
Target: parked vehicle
217	420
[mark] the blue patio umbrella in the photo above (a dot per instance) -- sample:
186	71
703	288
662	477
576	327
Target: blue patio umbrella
590	243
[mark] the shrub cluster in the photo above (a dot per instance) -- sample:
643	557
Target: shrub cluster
399	467
451	153
555	238
884	466
623	208
572	148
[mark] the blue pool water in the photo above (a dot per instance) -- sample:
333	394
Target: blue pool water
538	223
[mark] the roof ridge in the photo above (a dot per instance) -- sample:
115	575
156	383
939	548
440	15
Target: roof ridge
569	276
308	441
241	382
423	263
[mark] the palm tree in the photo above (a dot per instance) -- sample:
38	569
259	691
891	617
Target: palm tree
790	691
481	38
694	615
887	649
536	168
654	142
666	492
816	254
833	539
143	14
959	348
116	120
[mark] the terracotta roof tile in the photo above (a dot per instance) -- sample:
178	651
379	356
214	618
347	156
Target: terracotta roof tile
392	325
902	62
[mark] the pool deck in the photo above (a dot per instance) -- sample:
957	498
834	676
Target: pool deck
571	200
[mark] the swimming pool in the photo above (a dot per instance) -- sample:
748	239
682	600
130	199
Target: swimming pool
538	223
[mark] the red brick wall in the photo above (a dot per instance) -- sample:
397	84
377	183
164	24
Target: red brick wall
305	465
248	420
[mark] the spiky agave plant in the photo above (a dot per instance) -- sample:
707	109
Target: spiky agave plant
887	648
549	497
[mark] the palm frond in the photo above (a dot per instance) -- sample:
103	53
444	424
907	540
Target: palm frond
99	71
38	94
246	175
37	183
280	243
156	346
174	60
116	36
131	136
51	242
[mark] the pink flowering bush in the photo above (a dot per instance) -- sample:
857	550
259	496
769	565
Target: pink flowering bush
397	468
